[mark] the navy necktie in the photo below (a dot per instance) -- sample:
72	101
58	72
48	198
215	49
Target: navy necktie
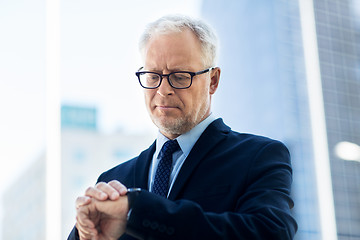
162	175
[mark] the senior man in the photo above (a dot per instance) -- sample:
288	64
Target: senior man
199	179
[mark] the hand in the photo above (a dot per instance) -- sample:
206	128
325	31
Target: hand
85	216
102	220
103	191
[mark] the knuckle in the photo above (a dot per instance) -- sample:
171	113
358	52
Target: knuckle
100	184
114	182
89	189
78	201
81	201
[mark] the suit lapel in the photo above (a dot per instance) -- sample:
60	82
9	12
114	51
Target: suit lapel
141	173
212	135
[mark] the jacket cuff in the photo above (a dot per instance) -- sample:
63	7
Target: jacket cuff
147	219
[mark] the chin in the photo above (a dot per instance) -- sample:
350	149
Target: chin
174	126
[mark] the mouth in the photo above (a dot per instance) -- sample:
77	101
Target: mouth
162	106
165	107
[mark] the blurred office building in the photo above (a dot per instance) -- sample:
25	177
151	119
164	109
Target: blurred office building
338	36
85	154
23	205
264	90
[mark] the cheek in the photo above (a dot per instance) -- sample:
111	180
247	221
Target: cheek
148	96
195	101
203	100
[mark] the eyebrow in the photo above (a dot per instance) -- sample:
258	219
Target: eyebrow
170	70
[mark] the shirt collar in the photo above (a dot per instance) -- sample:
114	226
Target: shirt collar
187	140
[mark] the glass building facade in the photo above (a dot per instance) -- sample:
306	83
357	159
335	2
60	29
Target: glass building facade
263	90
338	36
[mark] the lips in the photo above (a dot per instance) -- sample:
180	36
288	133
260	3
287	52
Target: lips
165	107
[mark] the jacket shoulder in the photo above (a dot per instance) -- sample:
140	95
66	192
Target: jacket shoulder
254	139
118	172
234	138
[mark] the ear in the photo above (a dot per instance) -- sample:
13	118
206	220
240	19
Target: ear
214	80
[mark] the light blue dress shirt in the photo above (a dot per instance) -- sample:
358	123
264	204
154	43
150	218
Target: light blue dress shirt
186	143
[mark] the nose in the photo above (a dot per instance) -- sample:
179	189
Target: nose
165	88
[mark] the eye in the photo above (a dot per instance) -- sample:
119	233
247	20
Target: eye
179	77
151	77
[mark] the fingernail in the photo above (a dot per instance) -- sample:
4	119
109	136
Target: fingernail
114	195
103	195
123	191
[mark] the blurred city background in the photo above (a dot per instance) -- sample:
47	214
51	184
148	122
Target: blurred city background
269	58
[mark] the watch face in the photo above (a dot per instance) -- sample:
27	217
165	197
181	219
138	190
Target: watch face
131	190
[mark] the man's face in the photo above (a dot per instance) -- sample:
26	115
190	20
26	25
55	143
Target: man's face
176	111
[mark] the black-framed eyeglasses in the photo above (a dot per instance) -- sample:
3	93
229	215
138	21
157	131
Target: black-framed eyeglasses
178	79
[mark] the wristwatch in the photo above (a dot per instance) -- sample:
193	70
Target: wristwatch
132	194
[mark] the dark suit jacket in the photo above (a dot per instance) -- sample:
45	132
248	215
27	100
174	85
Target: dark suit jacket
231	186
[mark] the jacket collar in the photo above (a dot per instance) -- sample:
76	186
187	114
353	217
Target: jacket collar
212	135
142	165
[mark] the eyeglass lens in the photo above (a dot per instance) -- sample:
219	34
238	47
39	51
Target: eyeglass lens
177	80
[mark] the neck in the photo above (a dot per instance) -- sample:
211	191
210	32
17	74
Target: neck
172	133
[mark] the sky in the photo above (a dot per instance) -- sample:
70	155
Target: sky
99	56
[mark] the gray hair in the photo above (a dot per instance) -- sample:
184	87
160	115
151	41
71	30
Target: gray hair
178	23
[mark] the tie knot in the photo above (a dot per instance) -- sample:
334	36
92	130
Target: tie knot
170	147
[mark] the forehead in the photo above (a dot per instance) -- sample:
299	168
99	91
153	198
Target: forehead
174	49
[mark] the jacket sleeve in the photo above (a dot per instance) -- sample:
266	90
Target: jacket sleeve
261	212
74	235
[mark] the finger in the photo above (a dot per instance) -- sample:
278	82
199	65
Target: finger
86	236
83	218
85	233
122	190
111	192
85	215
96	193
82	201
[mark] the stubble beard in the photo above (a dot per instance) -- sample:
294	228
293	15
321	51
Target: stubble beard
183	124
